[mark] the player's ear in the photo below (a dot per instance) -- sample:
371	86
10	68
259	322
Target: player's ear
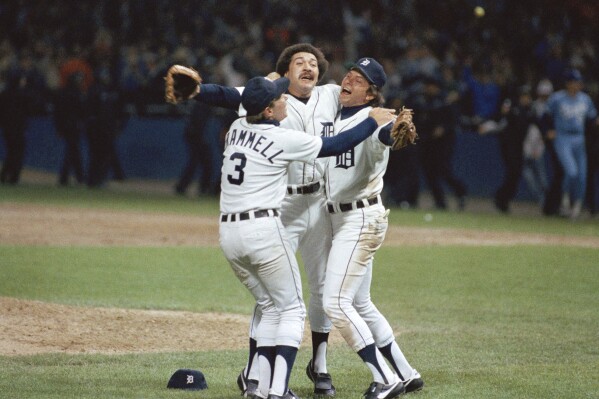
268	112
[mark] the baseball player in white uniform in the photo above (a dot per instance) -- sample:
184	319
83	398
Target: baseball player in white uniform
254	182
311	109
359	220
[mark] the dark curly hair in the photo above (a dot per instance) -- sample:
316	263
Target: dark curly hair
285	58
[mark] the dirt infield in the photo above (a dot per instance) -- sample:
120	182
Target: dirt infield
60	226
30	327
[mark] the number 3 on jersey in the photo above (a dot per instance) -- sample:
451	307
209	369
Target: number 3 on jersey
238	168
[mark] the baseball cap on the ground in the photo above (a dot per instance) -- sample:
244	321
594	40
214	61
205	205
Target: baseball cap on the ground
259	92
372	71
192	380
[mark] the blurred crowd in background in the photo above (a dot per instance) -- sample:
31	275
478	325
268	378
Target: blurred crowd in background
90	64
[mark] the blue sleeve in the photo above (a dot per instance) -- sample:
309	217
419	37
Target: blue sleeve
385	135
347	140
219	96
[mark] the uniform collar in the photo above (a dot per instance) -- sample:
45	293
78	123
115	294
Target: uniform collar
346	112
269	122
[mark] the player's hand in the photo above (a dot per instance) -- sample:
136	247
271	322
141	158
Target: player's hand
382	116
273	76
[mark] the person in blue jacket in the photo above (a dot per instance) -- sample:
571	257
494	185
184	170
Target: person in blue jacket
570	110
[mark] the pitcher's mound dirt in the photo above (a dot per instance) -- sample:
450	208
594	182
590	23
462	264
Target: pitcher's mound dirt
31	327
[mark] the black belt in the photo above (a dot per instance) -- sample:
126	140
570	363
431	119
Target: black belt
359	204
307	189
261	213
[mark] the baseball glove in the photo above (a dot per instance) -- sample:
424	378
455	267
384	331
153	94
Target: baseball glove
181	83
403	130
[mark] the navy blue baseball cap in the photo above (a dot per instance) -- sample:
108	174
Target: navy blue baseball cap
372	71
192	380
259	92
572	74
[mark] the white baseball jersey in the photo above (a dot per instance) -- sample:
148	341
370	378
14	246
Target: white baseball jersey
316	117
256	157
357	173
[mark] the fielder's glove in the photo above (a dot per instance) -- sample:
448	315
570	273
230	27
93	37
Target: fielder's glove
181	83
403	130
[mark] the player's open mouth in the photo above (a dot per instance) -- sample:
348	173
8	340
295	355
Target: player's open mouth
307	77
346	90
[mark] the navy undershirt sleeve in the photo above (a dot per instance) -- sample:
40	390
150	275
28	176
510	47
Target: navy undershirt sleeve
219	96
347	140
385	134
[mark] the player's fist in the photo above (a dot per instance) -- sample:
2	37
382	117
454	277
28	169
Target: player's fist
382	116
273	76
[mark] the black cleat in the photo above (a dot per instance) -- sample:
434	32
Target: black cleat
247	387
323	383
377	390
414	383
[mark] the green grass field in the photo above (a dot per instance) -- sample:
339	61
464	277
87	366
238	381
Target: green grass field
516	321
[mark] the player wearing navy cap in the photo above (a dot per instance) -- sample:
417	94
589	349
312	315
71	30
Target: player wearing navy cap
359	220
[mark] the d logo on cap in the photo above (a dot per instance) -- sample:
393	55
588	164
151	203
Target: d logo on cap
192	380
372	71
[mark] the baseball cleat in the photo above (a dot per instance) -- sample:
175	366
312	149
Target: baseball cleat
378	390
414	383
288	395
247	387
323	383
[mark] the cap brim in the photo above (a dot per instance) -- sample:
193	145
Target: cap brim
357	67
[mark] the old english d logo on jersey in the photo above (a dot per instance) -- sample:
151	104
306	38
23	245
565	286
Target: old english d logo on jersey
346	160
327	129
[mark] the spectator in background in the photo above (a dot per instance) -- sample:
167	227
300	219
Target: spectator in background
483	92
204	133
570	110
402	188
436	122
77	64
15	108
553	193
69	120
199	153
132	77
106	120
513	127
534	170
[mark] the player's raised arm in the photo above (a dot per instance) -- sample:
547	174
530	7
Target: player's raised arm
349	139
184	83
219	96
224	96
